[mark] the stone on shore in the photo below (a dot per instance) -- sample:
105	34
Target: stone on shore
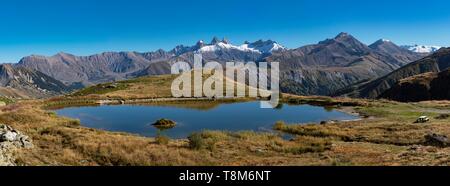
11	140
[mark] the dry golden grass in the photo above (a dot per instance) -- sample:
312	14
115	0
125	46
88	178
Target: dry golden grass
62	141
145	87
390	138
386	135
142	88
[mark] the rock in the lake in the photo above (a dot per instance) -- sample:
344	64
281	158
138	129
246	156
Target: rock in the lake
163	124
437	140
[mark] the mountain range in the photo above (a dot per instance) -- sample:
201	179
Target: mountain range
76	71
318	69
333	64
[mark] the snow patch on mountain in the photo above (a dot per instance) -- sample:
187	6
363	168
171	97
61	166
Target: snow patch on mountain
422	48
224	46
261	47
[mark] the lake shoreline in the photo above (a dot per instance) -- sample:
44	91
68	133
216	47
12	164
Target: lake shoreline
62	141
256	119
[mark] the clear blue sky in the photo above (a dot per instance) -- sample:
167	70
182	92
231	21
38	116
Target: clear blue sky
84	27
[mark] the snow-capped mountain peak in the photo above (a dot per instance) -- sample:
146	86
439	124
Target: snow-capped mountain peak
422	48
268	46
260	46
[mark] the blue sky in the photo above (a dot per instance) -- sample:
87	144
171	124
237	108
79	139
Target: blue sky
84	27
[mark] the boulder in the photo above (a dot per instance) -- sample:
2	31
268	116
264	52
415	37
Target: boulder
10	140
9	135
437	140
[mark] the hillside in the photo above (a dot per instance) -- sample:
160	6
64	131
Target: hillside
158	86
427	86
143	87
436	62
19	82
88	70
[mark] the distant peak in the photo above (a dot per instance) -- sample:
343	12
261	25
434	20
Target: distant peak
200	44
225	40
342	35
381	42
63	54
422	48
215	40
160	50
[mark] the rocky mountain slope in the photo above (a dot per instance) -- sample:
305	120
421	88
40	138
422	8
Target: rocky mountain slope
388	48
436	62
25	83
87	70
336	63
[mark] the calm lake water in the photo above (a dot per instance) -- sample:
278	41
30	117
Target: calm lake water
138	119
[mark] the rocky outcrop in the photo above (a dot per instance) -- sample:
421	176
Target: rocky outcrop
10	141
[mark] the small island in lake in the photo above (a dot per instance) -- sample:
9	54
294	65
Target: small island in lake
164	124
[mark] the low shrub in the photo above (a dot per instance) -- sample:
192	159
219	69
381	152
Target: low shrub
162	140
74	122
442	116
279	125
196	141
205	140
